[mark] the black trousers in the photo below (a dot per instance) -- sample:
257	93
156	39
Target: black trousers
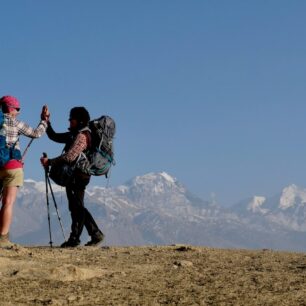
79	214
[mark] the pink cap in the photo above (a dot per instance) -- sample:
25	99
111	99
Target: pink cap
10	101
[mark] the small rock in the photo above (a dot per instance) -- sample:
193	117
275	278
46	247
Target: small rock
182	248
15	272
105	247
183	263
72	298
186	263
43	302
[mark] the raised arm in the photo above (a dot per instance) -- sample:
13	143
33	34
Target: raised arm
26	130
57	137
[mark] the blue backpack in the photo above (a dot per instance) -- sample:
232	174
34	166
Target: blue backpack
6	152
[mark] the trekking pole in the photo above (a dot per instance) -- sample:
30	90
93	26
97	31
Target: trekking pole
55	205
47	198
1	191
30	142
26	149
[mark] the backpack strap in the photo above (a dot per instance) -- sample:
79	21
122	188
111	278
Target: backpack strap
87	132
82	158
15	153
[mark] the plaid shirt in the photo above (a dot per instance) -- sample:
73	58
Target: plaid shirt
79	145
14	128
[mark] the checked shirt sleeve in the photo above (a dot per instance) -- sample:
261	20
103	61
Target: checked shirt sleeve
28	131
80	144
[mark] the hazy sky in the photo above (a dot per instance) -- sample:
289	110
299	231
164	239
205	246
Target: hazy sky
212	92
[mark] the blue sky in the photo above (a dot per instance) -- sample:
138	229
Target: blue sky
212	92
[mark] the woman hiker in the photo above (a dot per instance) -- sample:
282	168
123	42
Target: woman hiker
11	173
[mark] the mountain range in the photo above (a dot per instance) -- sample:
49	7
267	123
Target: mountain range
157	209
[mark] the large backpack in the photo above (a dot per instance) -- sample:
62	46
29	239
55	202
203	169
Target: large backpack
100	157
6	152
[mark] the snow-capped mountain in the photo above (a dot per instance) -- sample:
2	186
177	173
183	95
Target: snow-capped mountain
157	209
287	209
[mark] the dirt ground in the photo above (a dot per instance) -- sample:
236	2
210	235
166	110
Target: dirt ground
153	275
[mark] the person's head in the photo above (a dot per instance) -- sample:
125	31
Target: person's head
10	105
78	117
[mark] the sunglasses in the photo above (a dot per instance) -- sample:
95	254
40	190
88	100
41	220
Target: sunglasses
16	108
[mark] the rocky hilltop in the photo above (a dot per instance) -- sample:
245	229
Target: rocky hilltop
151	275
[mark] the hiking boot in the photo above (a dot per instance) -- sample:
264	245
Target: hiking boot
5	242
70	243
95	239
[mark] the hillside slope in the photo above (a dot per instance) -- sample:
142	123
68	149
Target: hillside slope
151	275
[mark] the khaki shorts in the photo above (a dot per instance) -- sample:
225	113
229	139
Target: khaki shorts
11	177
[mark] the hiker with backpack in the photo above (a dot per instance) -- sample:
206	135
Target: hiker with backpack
77	141
11	163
